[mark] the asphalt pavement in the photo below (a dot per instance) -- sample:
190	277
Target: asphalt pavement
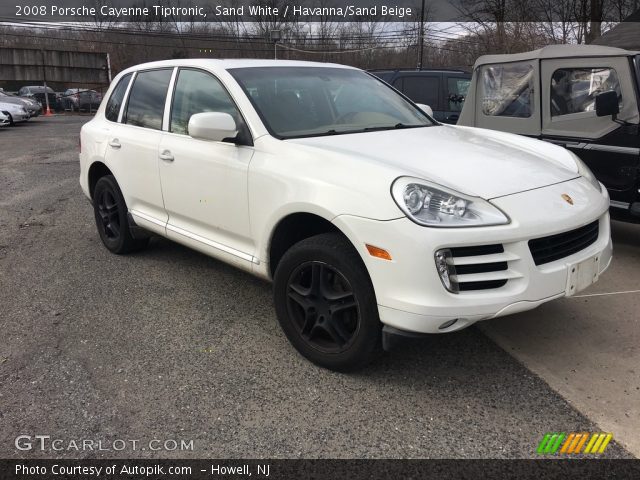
168	344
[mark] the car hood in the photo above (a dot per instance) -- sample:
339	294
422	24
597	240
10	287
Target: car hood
11	106
11	100
477	162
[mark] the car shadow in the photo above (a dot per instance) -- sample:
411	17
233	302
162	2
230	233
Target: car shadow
432	375
625	233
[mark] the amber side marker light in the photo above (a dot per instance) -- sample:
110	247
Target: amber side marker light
378	252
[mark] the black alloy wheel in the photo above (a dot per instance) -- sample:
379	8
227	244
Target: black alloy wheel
323	306
110	212
326	304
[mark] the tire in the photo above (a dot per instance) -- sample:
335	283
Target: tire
110	212
326	304
11	122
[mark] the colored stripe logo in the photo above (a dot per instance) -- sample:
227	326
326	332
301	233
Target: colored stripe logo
573	443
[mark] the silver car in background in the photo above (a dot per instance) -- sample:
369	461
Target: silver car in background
31	106
15	113
4	120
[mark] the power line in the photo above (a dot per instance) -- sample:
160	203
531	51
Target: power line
390	40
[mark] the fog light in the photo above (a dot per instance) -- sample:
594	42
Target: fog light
447	324
446	269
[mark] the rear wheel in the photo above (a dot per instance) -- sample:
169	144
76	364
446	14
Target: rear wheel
110	212
326	304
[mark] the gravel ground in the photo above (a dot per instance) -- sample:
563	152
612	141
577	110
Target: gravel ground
169	344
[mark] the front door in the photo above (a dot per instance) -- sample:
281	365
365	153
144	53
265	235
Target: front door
204	183
611	150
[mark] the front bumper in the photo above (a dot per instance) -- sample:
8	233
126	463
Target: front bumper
409	291
19	117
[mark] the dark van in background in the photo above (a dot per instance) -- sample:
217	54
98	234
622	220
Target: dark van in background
443	90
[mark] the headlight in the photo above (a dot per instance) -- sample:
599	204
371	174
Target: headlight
585	172
436	206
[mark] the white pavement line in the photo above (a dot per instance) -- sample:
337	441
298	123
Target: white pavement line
605	294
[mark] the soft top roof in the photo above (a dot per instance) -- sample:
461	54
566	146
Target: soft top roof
556	51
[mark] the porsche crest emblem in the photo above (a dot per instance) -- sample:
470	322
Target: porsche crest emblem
567	199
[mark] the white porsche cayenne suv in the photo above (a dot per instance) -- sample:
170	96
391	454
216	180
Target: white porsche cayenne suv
367	214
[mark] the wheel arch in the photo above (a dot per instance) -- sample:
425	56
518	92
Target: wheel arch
97	170
294	228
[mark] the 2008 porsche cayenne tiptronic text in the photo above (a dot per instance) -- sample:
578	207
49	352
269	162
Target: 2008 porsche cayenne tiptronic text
365	213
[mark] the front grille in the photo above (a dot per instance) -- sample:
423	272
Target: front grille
554	247
481	267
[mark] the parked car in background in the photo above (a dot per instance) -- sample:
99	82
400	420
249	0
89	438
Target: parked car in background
89	100
76	99
37	92
370	217
583	97
4	120
16	113
443	90
29	104
70	99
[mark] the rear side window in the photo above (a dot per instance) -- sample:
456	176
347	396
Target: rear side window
115	100
146	101
421	89
457	91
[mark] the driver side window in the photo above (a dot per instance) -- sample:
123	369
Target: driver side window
197	92
574	90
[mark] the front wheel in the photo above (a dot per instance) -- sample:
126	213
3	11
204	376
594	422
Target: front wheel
326	305
110	212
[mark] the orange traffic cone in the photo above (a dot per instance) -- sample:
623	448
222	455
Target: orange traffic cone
48	112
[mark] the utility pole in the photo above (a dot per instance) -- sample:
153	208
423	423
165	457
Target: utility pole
44	79
421	37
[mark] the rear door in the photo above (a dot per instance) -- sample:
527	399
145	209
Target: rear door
132	150
611	150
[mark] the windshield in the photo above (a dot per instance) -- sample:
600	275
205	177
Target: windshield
312	101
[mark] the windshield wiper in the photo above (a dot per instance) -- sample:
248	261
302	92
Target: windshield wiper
333	131
397	126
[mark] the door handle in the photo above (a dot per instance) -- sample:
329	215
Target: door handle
115	143
166	156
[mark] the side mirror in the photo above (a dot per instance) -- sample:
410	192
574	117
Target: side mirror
215	126
607	104
425	108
